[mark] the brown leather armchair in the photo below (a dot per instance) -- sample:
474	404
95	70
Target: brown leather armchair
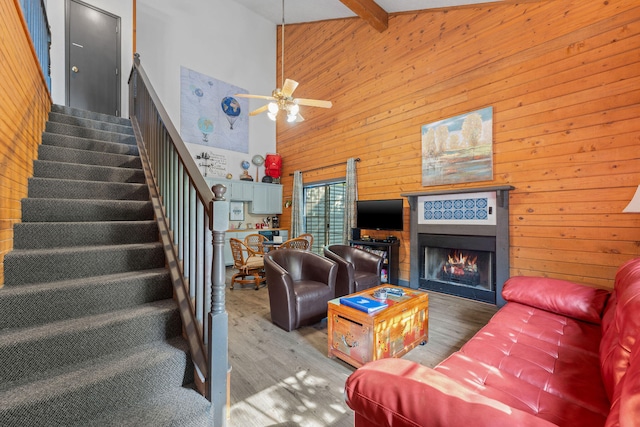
301	283
357	269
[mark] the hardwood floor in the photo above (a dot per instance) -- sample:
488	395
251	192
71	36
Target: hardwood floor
285	379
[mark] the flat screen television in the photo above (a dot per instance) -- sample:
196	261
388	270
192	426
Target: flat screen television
380	214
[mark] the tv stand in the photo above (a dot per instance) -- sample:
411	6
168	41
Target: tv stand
389	250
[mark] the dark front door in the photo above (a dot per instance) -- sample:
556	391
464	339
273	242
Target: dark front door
93	59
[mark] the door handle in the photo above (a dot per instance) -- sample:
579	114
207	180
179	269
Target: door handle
74	69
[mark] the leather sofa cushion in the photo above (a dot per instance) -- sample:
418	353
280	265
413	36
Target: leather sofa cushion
401	393
538	362
557	296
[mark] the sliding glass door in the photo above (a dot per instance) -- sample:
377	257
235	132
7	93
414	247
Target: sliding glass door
324	213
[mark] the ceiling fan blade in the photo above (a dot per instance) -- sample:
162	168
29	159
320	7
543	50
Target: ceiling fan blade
288	87
300	118
259	110
313	102
246	95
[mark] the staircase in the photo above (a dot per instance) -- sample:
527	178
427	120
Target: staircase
89	332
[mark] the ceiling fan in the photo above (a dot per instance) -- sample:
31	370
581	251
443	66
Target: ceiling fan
282	98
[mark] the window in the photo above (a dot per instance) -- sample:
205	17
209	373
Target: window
324	214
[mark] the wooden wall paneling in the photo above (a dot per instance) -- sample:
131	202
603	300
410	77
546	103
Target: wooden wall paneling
24	105
562	78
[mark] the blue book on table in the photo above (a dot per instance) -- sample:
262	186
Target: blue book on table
367	305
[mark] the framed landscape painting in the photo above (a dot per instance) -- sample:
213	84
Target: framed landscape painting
458	149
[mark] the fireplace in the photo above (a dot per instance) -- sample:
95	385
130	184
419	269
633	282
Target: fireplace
459	242
458	265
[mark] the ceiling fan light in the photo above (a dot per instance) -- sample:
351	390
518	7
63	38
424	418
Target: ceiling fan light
293	109
273	109
272	116
292	118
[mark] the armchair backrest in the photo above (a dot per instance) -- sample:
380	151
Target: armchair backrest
343	251
304	265
359	258
350	260
620	345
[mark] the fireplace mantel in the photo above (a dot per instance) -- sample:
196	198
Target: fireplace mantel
500	190
499	229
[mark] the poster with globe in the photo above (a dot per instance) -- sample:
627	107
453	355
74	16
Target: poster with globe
210	114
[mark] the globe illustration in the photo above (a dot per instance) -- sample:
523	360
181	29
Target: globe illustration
230	106
206	127
245	165
197	92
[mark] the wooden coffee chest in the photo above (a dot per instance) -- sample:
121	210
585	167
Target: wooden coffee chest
358	337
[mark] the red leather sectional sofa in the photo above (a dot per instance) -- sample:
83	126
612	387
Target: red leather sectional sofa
558	353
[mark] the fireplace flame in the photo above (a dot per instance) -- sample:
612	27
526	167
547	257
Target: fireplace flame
458	263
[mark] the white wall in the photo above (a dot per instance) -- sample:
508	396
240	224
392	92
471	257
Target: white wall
219	38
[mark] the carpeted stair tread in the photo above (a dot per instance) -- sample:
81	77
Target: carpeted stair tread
180	407
30	352
81	391
58	140
79	172
26	266
89	332
89	123
87	157
56	188
63	109
66	210
41	235
82	132
36	304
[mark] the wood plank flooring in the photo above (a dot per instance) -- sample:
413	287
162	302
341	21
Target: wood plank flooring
285	379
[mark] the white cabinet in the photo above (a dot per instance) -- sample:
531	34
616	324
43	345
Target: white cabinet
264	198
237	191
241	191
267	199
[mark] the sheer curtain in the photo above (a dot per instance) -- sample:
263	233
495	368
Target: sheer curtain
351	195
297	205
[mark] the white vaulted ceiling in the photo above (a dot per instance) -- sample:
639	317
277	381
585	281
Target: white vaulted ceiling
297	11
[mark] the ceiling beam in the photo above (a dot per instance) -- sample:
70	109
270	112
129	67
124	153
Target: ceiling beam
369	10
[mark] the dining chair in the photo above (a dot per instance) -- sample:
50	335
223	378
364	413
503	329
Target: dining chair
255	243
309	237
297	243
250	265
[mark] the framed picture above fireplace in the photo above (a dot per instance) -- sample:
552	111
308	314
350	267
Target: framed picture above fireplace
458	149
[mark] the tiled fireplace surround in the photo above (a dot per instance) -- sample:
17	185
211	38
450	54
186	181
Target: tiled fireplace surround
476	219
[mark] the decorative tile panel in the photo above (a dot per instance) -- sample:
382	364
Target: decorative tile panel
466	208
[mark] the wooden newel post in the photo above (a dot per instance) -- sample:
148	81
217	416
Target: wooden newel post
219	369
